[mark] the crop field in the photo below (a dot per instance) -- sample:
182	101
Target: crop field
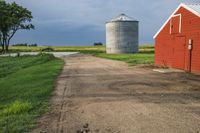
26	84
145	55
82	49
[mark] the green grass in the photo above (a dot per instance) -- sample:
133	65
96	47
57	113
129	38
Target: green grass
132	59
144	56
26	84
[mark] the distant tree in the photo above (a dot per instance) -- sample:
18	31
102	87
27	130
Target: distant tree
32	45
98	44
25	45
21	44
12	18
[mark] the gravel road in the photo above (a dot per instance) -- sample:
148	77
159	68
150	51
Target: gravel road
103	96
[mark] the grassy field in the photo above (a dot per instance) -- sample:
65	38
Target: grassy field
26	84
145	55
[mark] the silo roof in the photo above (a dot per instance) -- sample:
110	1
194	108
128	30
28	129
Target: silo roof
122	17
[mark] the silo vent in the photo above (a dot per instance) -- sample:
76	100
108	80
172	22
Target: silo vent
122	17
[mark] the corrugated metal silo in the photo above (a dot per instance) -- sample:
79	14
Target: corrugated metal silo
122	35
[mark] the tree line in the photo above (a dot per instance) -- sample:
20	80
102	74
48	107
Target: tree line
13	17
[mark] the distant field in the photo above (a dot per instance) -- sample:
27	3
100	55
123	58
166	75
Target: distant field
145	55
82	49
26	84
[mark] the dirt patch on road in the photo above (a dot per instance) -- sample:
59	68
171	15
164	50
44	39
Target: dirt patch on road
103	96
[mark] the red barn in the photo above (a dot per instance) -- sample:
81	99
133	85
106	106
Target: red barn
177	43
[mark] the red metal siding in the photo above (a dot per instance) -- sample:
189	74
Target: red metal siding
171	50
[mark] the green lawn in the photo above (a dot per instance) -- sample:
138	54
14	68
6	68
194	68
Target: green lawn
132	59
144	56
26	84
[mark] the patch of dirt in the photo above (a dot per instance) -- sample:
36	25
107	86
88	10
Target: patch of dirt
95	95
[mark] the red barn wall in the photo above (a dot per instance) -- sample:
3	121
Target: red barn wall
167	45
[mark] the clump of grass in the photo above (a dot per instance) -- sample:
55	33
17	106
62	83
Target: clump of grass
17	107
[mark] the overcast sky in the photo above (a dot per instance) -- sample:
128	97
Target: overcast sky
82	22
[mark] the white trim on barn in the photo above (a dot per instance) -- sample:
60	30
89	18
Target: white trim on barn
180	23
181	5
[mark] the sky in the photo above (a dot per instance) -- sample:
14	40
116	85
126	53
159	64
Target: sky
82	22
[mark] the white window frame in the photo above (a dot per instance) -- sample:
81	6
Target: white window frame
180	23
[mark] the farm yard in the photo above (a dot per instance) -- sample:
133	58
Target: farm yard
96	94
26	82
115	85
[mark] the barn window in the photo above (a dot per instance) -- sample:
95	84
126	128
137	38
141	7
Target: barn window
175	24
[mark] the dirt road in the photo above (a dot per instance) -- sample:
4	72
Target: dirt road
104	96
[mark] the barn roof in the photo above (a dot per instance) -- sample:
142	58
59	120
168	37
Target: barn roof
192	7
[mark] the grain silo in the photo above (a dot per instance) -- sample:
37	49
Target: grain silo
122	35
